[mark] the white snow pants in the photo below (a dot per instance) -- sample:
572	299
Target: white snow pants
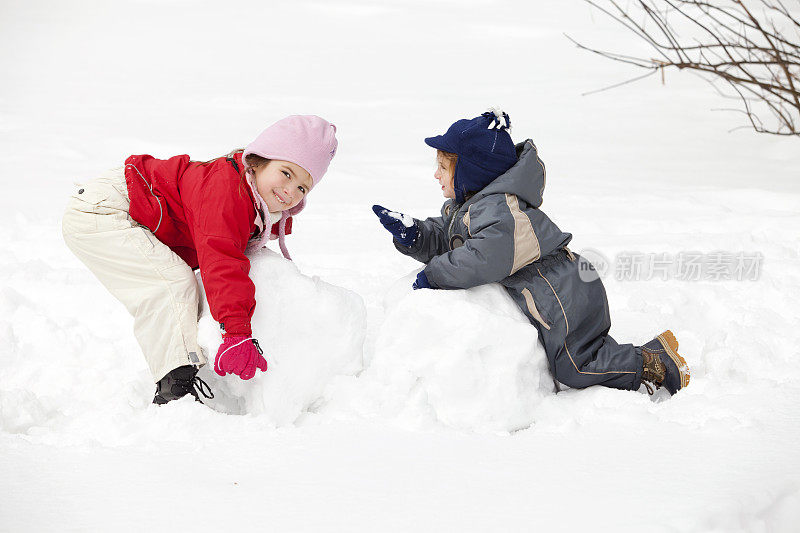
156	286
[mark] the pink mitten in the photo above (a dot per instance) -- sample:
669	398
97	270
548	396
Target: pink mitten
240	355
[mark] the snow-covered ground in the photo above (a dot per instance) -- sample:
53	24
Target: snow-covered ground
386	409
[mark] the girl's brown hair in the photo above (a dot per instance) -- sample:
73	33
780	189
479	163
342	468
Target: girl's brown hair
253	160
451	159
256	161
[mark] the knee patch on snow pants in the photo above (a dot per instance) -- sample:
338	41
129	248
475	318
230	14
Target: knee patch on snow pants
156	286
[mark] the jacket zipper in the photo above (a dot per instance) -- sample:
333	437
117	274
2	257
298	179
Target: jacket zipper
452	222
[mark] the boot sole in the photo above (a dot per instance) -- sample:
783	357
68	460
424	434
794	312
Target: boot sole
670	344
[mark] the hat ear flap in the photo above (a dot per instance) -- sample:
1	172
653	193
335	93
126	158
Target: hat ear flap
457	186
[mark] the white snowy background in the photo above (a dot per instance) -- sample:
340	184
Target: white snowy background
386	409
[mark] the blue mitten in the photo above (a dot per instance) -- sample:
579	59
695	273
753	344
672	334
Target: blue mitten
421	282
401	226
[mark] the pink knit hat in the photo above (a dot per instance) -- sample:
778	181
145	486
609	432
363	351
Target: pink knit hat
306	140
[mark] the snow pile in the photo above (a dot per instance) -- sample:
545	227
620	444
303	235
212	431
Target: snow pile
466	359
81	445
310	331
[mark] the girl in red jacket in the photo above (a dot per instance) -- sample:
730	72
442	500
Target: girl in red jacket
142	229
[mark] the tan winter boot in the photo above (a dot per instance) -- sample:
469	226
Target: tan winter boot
662	365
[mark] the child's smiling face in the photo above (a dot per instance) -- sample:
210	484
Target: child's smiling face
444	175
282	184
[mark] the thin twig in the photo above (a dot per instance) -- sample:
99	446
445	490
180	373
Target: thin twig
726	40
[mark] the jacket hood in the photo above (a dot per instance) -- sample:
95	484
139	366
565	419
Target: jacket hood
525	180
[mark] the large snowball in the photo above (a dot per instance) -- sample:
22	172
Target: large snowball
310	331
467	359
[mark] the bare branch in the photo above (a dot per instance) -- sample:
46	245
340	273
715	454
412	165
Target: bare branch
637	78
748	45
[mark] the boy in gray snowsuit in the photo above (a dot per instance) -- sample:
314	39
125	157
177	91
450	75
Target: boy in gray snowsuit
492	230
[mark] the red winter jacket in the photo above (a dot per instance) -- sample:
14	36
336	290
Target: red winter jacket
205	213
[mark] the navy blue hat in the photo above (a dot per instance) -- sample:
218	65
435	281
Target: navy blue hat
484	148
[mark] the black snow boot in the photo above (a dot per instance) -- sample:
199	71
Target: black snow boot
662	365
180	382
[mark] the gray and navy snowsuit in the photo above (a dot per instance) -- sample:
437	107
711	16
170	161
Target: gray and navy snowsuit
500	235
